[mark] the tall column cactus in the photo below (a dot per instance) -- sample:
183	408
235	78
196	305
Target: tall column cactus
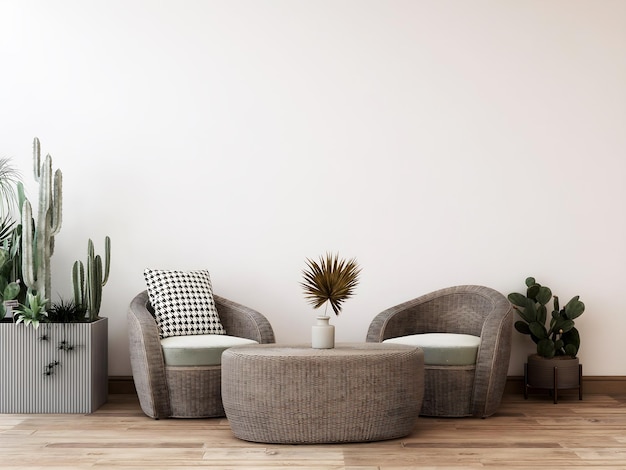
88	292
38	239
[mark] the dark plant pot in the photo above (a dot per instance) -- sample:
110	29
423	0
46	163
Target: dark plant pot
557	373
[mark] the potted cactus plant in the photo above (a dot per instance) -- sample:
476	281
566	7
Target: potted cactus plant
555	365
88	292
50	363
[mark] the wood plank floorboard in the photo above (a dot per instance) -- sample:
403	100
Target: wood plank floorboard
523	435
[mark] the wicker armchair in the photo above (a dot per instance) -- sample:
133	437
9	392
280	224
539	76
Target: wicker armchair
183	392
455	391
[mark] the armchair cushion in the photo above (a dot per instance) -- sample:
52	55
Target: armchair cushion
183	302
198	350
443	349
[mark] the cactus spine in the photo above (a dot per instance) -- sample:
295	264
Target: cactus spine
88	291
38	240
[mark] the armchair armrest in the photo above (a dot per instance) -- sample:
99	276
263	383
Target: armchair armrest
492	363
393	322
243	322
146	358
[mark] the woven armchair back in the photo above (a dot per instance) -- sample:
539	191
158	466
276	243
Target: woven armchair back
459	309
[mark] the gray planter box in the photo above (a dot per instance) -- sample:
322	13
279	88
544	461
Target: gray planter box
77	384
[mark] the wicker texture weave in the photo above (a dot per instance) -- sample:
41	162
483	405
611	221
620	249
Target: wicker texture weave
477	310
183	392
296	394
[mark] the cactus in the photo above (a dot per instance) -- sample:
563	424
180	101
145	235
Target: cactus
88	291
560	337
15	249
38	240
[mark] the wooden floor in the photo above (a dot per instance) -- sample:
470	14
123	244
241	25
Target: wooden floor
533	434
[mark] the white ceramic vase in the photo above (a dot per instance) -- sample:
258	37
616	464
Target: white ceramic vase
323	334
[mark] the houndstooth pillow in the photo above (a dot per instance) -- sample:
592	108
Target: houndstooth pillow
183	302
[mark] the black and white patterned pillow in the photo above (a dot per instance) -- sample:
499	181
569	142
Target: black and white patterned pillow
183	302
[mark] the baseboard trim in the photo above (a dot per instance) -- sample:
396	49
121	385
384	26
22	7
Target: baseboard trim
596	384
122	385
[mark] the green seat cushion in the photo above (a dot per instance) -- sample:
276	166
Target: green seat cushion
198	350
443	349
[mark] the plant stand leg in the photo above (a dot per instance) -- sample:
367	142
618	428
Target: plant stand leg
580	381
556	385
526	381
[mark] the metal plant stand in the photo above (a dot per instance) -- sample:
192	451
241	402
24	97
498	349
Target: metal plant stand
555	387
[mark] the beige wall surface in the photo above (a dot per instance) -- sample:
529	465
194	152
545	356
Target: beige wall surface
438	142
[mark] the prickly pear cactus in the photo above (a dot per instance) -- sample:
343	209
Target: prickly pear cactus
558	337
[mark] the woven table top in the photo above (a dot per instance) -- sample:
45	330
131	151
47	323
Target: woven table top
305	350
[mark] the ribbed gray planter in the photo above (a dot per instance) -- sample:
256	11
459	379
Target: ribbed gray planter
30	382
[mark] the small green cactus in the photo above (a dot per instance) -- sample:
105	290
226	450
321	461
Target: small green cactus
560	337
88	291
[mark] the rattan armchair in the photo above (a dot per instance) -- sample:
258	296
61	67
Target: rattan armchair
455	391
183	391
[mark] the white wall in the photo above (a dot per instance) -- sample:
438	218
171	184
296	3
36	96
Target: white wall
439	142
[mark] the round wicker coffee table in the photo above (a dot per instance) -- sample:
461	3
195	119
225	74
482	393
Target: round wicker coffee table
356	392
